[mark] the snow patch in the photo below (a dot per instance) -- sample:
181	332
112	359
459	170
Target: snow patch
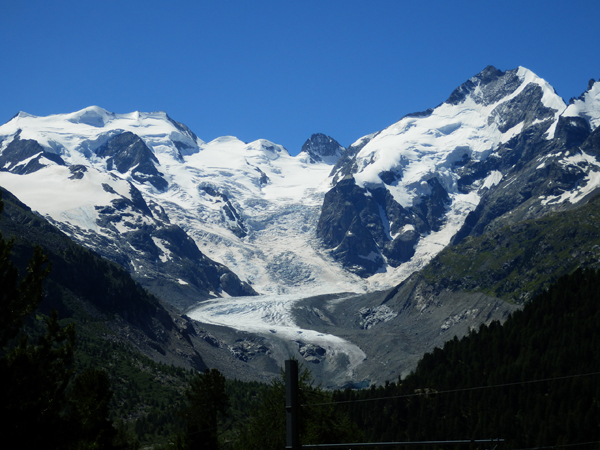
493	179
587	186
165	252
588	107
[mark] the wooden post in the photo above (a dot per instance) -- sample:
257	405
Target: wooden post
291	405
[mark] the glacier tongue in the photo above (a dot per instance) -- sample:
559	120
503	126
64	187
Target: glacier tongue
271	316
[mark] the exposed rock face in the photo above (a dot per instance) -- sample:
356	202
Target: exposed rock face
126	152
311	353
363	226
347	218
371	317
230	215
322	148
160	255
525	108
246	349
23	156
538	174
487	87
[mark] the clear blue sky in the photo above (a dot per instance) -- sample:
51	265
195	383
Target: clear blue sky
281	70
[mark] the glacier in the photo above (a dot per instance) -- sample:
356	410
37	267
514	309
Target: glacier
254	208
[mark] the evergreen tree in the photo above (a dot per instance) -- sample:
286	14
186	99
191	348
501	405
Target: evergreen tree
89	399
320	423
33	376
533	381
36	368
207	407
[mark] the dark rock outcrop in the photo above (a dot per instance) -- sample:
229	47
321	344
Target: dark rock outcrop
23	156
322	148
366	228
125	152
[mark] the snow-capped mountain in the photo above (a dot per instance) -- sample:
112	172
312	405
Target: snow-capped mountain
144	191
587	106
321	148
399	194
379	210
194	220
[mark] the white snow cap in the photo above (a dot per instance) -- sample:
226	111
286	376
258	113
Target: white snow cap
76	134
587	106
423	146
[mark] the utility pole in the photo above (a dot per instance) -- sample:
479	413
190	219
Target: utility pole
292	407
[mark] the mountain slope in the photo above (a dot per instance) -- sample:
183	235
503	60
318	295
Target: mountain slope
410	178
546	178
109	307
532	381
539	175
520	260
81	284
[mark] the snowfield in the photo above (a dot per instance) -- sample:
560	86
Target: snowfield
420	148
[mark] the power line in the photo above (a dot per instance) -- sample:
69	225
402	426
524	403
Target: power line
420	394
562	445
403	444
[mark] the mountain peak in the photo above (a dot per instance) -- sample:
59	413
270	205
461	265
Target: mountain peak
321	148
587	105
266	148
92	115
490	85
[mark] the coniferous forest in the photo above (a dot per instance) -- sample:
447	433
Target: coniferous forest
533	381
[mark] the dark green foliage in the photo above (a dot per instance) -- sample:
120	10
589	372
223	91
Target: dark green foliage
244	397
554	341
207	404
89	292
90	398
34	378
36	368
519	261
320	423
34	374
147	396
18	298
76	271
